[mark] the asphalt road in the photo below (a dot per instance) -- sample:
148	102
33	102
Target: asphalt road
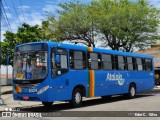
142	102
148	101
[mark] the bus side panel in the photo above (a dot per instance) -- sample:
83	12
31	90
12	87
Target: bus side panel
133	77
60	89
143	81
64	84
99	79
78	78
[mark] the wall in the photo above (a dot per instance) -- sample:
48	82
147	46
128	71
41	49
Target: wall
3	75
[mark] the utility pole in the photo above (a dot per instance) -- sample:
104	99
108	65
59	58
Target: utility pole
1	100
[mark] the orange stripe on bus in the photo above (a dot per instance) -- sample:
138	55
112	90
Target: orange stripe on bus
89	49
91	79
92	83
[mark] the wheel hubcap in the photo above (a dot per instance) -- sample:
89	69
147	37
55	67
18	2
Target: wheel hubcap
132	91
78	98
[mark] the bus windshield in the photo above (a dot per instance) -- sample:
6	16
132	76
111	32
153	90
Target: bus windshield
31	65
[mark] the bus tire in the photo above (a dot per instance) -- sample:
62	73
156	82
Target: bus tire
76	98
132	91
47	104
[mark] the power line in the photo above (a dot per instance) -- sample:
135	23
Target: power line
15	11
8	9
22	11
5	16
1	100
4	23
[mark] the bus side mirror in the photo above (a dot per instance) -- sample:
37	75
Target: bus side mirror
57	60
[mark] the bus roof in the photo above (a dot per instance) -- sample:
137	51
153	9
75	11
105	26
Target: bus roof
84	48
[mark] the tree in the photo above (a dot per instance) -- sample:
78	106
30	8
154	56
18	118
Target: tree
3	59
24	34
74	24
126	24
8	45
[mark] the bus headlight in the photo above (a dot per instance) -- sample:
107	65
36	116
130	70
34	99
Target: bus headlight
43	90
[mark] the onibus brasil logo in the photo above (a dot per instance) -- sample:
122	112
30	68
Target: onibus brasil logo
115	77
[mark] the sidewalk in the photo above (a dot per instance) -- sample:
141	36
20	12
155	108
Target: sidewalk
6	90
10	103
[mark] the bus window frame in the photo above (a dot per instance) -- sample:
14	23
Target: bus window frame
139	64
99	54
54	49
152	66
130	63
112	61
86	65
116	66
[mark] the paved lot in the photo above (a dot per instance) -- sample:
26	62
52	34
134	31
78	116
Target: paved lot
143	102
148	101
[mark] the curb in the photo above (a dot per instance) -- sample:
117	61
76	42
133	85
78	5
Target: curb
6	92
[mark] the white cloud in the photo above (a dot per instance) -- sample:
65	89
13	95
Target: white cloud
24	8
6	7
33	18
155	3
51	2
9	15
51	8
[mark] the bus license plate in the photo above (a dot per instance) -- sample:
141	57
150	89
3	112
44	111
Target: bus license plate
19	76
25	97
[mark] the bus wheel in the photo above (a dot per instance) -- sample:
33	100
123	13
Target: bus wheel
47	104
77	98
132	91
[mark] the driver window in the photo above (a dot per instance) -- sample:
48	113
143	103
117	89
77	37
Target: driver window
61	66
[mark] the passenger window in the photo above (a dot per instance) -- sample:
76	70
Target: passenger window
134	64
107	62
139	63
130	63
148	64
121	63
94	61
77	59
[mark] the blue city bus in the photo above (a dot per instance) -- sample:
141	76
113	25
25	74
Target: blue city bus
52	71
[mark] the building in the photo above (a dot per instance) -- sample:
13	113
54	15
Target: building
155	52
4	79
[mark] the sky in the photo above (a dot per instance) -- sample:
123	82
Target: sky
29	11
34	11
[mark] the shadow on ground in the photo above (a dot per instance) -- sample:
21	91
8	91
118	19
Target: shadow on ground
86	103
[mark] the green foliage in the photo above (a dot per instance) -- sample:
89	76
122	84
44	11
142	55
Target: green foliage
24	34
121	25
125	24
74	23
